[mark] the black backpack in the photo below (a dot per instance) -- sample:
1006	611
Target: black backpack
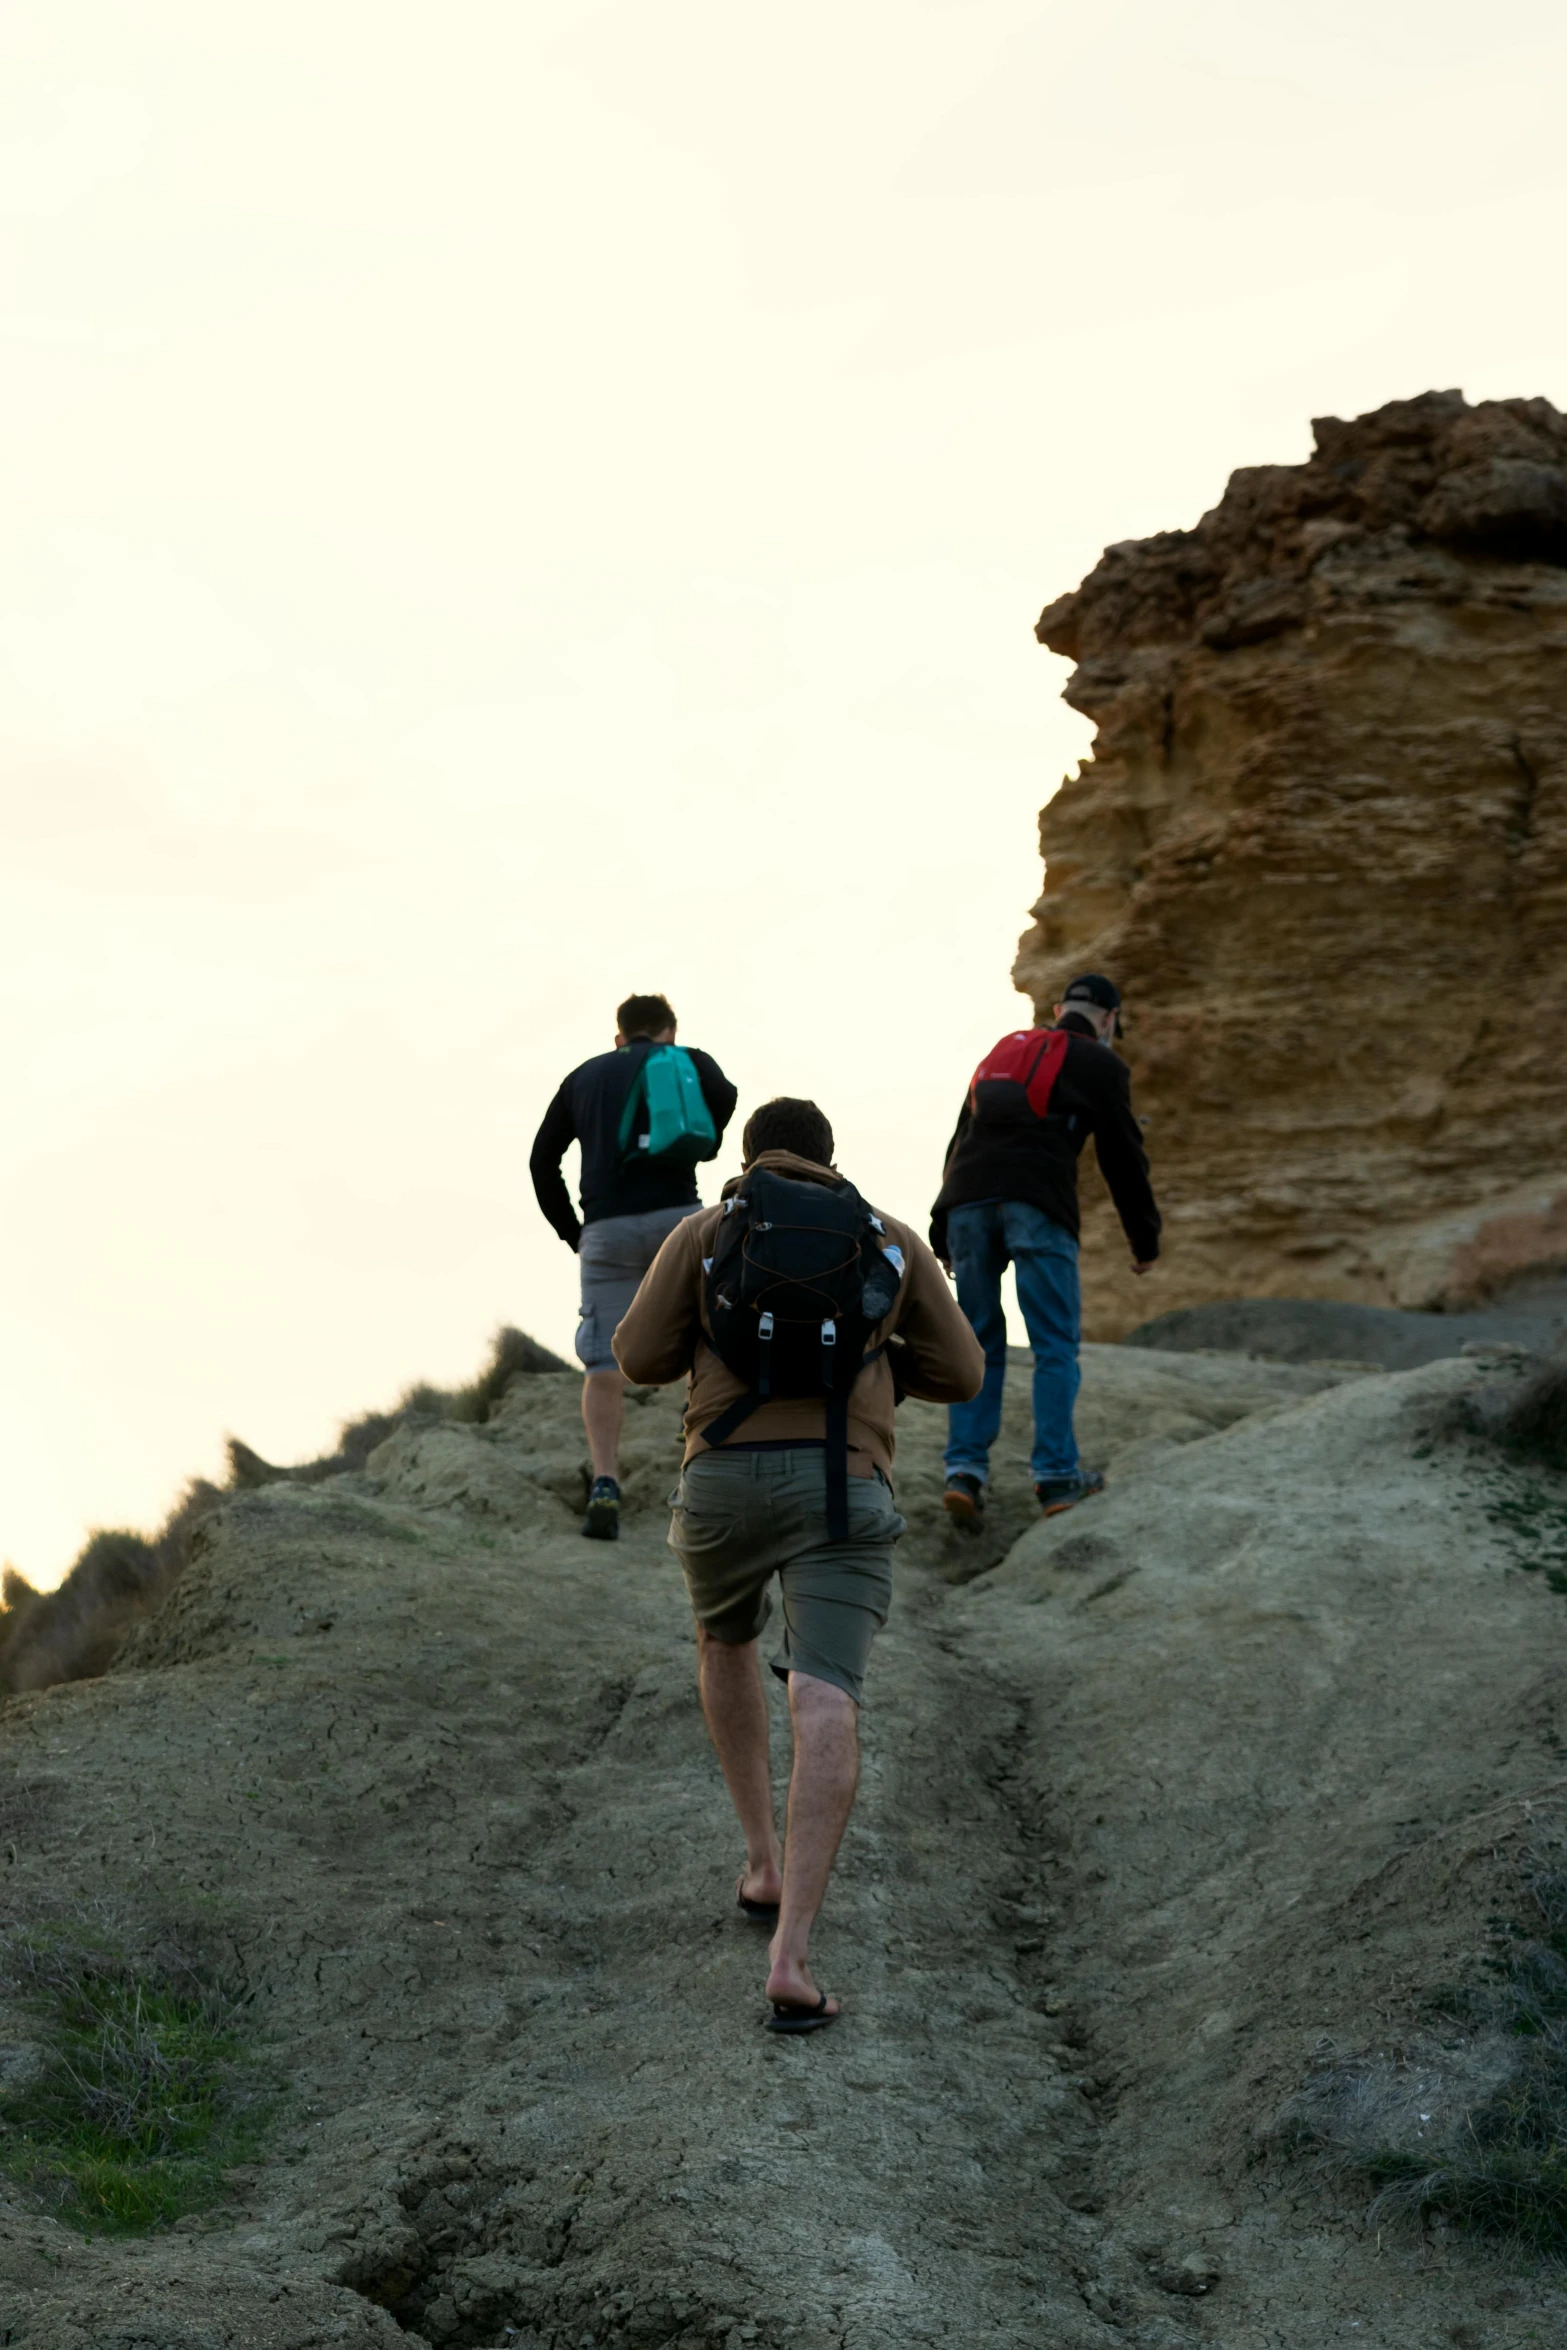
795	1285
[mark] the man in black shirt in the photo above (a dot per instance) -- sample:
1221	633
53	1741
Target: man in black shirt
630	1205
1010	1196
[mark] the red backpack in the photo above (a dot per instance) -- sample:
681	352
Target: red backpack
1014	1082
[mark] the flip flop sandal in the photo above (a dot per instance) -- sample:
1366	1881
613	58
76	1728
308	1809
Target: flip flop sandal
765	1913
789	2016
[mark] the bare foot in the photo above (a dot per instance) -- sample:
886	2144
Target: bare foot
763	1883
789	1985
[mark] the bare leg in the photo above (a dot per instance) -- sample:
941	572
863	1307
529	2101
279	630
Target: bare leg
821	1796
735	1705
603	1409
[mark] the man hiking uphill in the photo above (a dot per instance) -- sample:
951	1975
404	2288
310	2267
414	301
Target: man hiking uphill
644	1115
1010	1195
799	1316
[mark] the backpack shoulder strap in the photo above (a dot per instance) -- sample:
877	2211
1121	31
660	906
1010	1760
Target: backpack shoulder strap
635	1102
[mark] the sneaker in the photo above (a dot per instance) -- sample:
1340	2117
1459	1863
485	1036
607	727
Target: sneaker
602	1523
964	1499
1055	1494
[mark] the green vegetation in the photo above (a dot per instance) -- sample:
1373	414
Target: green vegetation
1534	1425
1501	2168
1535	1516
1488	2152
141	2095
1520	1463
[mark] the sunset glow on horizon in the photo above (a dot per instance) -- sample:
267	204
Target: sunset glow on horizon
509	508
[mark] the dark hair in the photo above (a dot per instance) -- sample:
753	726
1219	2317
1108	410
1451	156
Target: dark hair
787	1125
645	1015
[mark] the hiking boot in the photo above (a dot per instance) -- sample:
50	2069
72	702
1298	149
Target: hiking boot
1055	1494
602	1523
964	1499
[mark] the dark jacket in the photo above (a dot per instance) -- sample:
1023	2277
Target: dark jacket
587	1111
1036	1159
665	1333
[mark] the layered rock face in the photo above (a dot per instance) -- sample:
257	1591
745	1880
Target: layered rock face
1321	844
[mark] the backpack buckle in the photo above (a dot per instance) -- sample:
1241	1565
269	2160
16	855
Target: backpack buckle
829	1334
765	1326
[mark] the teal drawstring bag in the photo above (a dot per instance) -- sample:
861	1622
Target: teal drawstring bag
666	1116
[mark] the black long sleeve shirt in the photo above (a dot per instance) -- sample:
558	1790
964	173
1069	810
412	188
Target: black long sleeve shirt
1035	1159
587	1110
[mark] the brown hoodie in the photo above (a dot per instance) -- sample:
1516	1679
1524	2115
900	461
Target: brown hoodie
665	1333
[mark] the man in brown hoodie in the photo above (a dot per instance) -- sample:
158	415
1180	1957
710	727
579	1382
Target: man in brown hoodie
755	1505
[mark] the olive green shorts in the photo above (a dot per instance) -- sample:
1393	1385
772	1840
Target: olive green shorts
740	1518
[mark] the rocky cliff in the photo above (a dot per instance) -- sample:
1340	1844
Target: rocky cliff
1322	845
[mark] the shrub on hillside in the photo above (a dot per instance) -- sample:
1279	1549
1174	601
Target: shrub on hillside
1527	1419
1535	1421
1478	2134
75	1632
513	1355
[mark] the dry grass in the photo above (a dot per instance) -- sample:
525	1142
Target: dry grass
76	1631
513	1355
1471	2127
1526	1419
1535	1423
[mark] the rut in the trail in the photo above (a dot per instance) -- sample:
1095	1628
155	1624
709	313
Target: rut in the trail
926	2159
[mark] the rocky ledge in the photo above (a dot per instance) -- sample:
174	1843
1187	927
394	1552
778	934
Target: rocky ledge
1320	842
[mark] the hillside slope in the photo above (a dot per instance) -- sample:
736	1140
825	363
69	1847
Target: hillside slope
1170	1796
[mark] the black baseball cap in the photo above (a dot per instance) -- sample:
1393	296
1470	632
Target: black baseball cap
1092	987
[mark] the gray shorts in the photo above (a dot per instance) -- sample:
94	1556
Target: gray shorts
614	1254
742	1517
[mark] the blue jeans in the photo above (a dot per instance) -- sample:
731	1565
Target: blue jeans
982	1239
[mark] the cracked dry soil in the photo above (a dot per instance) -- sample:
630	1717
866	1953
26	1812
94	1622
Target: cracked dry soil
1134	1840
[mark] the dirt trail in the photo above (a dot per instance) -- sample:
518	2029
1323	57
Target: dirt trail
431	1767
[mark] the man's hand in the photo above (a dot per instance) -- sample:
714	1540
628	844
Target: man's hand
1145	1265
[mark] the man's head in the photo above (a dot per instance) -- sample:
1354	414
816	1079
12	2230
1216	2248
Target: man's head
1096	1000
649	1016
787	1125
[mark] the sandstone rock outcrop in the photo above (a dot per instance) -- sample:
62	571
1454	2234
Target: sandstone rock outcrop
1322	845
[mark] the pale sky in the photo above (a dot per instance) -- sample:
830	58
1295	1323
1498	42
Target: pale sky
505	506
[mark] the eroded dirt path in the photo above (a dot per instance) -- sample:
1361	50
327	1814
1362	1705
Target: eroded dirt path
855	2189
430	1769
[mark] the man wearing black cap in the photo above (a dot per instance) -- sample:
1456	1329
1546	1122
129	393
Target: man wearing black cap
1009	1196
